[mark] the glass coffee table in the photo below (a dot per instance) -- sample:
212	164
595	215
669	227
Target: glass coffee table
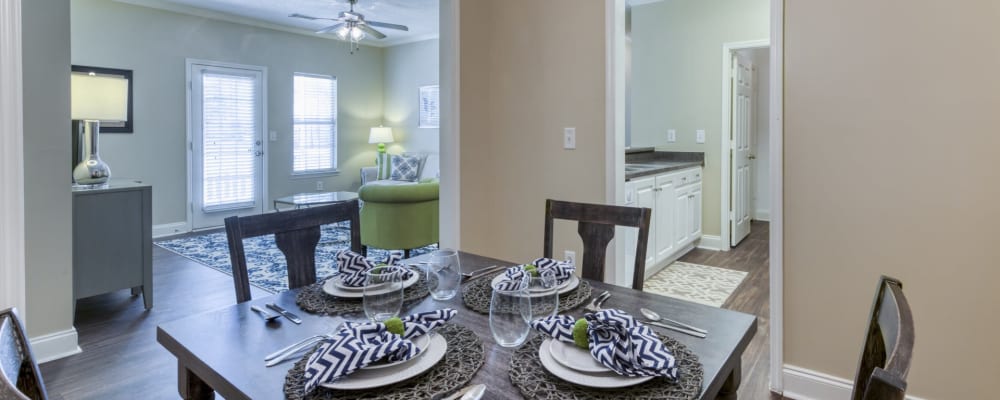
310	199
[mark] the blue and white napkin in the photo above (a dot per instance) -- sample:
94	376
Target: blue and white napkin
514	278
561	270
355	268
617	341
357	345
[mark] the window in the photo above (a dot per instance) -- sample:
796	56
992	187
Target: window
314	139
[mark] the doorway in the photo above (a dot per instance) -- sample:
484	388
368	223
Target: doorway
226	141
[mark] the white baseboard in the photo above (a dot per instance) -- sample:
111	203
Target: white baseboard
712	242
762	215
55	345
805	384
169	229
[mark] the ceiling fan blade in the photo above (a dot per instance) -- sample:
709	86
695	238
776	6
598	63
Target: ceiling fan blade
370	31
309	17
387	25
330	28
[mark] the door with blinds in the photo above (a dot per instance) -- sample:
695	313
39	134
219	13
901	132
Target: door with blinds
227	142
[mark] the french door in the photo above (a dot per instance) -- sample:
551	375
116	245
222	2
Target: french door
227	142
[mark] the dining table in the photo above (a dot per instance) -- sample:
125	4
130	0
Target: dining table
222	351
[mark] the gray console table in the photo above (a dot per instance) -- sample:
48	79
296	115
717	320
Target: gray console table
113	240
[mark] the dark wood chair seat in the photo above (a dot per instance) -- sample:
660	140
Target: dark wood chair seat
597	227
296	233
885	359
20	377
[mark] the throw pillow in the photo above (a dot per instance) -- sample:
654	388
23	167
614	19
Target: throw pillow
405	168
423	161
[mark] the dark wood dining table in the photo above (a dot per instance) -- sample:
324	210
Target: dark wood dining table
223	351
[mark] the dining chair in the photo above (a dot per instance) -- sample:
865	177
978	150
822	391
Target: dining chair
885	358
296	233
597	227
20	377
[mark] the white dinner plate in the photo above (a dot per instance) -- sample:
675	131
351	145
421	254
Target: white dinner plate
607	380
572	283
332	287
573	357
365	379
421	342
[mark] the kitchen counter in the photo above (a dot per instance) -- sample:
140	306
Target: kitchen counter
645	163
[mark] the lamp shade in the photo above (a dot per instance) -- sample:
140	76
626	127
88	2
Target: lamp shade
98	97
380	134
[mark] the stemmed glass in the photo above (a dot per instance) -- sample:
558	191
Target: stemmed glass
510	314
444	274
383	295
544	291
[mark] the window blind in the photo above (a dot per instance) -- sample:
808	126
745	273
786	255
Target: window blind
229	126
315	124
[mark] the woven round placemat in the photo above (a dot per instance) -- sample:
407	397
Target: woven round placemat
476	295
464	357
535	382
312	299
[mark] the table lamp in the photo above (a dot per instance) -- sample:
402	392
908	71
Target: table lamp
381	135
95	98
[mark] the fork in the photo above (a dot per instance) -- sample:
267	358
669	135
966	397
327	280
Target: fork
596	302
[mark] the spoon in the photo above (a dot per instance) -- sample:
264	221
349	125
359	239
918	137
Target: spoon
264	314
653	316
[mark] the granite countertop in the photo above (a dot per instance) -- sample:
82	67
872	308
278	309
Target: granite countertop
659	162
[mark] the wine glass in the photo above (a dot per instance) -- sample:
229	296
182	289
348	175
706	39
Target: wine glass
544	291
444	274
510	314
383	295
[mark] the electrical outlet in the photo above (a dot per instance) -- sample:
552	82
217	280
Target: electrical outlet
319	185
273	136
569	138
570	256
700	136
671	135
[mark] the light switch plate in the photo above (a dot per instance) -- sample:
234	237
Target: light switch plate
671	135
700	136
273	136
569	138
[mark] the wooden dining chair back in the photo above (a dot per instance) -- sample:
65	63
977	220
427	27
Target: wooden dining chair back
296	233
596	227
20	377
885	358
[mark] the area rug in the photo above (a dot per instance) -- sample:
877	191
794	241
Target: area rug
265	263
697	283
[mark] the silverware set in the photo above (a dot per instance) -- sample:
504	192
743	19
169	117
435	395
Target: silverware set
652	318
468	276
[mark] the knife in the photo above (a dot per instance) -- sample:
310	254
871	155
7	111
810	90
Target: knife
291	317
676	328
468	392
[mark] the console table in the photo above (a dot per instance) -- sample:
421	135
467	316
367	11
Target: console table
113	239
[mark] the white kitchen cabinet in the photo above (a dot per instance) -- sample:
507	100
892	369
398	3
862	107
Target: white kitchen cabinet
663	219
645	197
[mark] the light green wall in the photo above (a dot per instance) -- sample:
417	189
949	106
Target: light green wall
155	44
407	67
47	198
677	78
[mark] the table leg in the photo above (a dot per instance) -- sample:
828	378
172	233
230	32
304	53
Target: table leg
732	383
190	386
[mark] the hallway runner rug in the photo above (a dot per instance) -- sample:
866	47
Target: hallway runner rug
265	263
696	283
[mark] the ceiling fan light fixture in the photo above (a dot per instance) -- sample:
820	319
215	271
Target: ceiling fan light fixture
343	32
357	34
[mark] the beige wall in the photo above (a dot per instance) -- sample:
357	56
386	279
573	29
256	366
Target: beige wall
407	68
891	168
522	79
155	44
677	78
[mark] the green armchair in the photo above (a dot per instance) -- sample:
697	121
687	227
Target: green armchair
399	216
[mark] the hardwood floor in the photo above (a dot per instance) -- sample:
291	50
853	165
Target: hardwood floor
122	360
751	297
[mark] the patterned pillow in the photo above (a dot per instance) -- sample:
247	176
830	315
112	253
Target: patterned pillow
405	168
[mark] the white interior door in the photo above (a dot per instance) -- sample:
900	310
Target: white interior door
742	111
227	123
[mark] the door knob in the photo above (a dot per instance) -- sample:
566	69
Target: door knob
752	157
259	153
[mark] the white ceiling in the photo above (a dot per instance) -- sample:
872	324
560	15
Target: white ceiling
421	16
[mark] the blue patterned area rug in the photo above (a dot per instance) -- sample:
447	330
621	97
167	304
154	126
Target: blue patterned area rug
265	263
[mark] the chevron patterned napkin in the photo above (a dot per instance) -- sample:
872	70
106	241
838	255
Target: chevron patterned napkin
355	268
617	341
561	270
358	344
514	278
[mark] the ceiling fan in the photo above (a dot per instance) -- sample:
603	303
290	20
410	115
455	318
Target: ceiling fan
351	26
